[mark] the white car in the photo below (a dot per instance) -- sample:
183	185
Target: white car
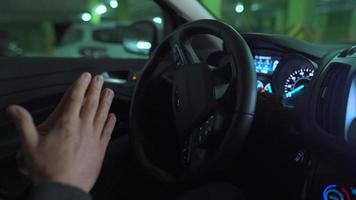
87	40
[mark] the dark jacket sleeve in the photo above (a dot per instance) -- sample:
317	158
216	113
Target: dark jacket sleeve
57	191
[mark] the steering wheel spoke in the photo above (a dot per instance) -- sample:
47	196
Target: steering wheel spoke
191	54
168	76
183	53
223	79
221	90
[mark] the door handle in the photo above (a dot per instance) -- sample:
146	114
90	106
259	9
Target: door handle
111	79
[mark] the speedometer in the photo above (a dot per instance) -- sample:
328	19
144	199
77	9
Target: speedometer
292	77
297	81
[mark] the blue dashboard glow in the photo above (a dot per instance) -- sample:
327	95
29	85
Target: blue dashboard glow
337	192
268	88
264	88
350	119
327	190
296	90
353	191
265	64
259	85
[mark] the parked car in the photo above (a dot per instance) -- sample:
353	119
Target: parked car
87	40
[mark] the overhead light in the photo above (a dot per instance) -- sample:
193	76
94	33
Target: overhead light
114	4
157	20
143	45
255	7
86	17
239	8
101	9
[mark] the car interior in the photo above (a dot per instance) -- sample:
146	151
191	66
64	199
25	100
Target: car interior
257	94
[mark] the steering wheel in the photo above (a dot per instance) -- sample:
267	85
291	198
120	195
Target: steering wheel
188	118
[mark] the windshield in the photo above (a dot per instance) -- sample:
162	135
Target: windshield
79	28
321	21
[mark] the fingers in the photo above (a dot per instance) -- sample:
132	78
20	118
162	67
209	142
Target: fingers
25	126
108	129
92	98
103	109
74	99
53	117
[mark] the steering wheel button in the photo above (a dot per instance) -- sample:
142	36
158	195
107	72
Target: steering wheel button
206	133
200	139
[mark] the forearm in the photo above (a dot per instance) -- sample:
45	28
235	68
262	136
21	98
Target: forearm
57	191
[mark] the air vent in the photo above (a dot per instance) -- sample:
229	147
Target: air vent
330	99
350	52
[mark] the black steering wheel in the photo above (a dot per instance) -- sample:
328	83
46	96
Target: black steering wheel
189	118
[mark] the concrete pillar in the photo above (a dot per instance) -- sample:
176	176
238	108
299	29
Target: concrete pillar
123	13
352	36
338	26
280	21
95	18
321	27
248	19
48	36
299	19
20	32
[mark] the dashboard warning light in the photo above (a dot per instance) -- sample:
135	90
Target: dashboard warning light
134	78
262	90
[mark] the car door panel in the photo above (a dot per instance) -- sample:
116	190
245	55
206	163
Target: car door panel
39	83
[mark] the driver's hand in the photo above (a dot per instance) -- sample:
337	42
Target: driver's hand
70	145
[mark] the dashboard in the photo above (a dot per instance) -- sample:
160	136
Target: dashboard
284	74
285	68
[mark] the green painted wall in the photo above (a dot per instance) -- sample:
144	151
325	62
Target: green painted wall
337	27
300	15
215	6
352	34
48	36
123	11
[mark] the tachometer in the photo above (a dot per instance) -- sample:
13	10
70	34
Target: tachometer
297	81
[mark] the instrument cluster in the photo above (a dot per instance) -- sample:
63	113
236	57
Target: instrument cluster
285	75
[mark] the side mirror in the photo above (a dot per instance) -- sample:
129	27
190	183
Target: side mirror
140	37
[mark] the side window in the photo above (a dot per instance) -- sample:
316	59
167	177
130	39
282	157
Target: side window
96	29
125	30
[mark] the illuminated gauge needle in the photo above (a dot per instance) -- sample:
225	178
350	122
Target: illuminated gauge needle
295	90
268	88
